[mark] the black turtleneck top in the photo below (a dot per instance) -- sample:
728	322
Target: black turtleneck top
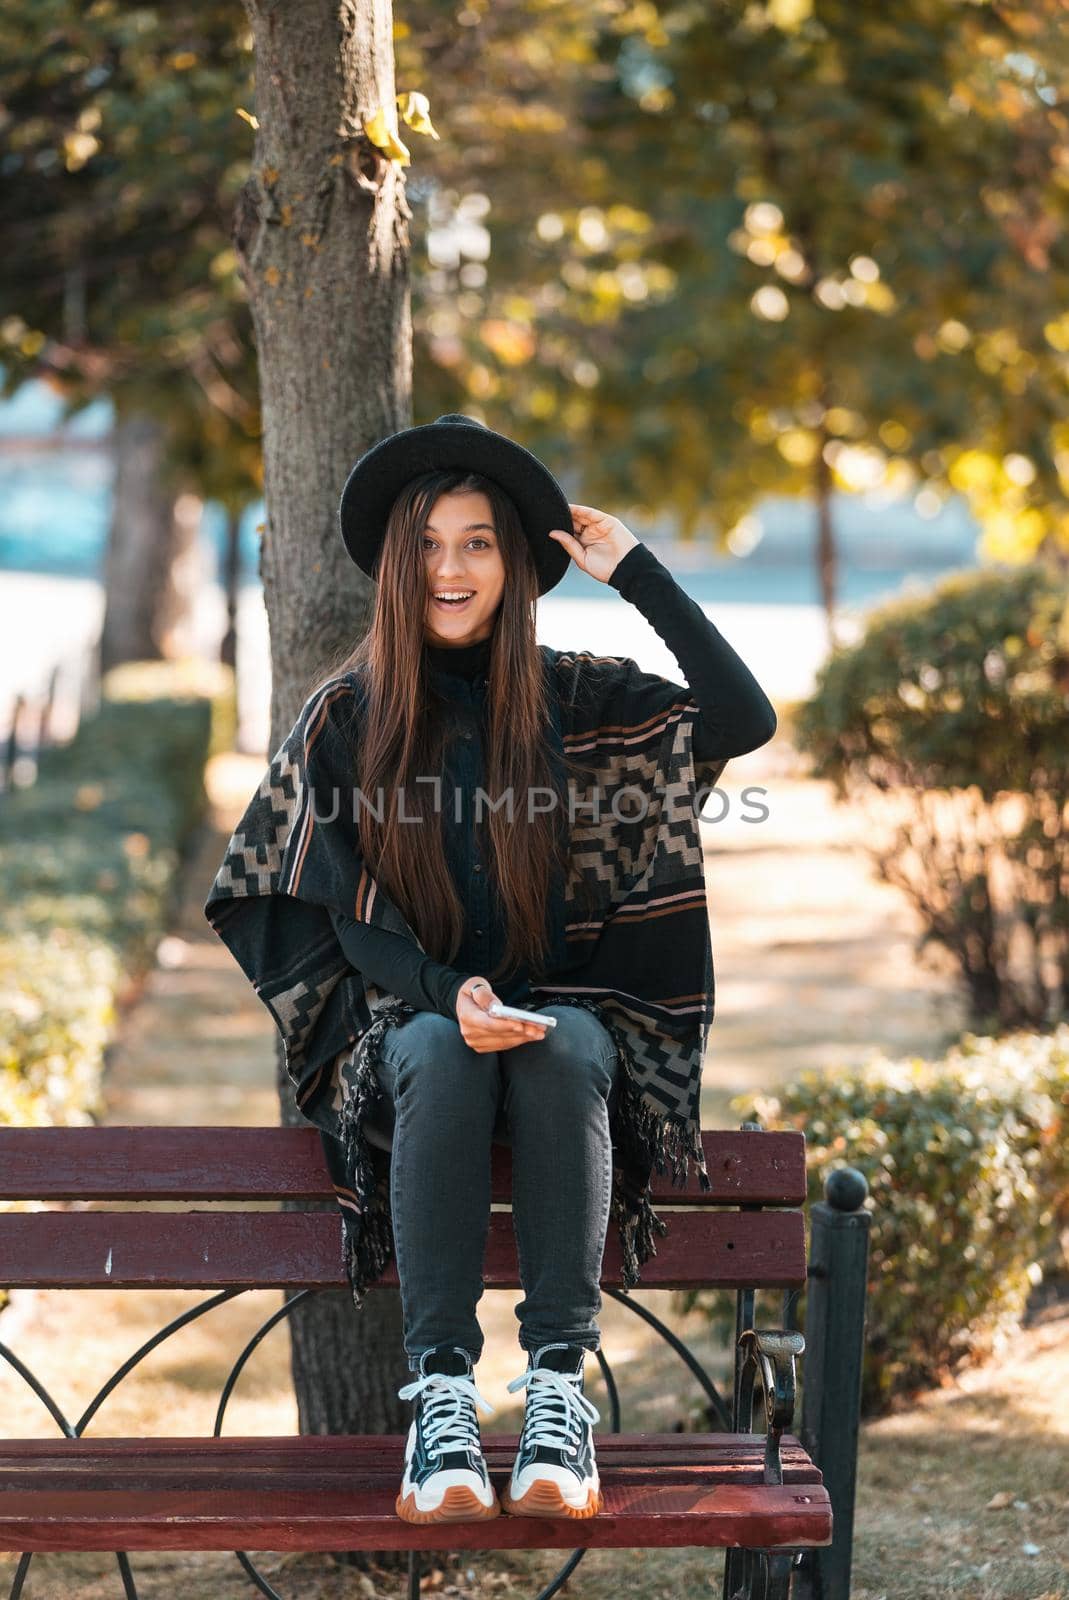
467	660
736	716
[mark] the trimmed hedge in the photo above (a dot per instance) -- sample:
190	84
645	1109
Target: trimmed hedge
89	857
967	1161
948	722
964	685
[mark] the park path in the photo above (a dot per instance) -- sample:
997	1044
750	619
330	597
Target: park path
814	966
814	959
199	1047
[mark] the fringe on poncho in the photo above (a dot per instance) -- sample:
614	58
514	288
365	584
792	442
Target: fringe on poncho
636	947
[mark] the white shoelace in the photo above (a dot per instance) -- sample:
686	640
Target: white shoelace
555	1405
448	1424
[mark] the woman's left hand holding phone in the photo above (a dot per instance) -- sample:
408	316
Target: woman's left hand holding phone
483	1032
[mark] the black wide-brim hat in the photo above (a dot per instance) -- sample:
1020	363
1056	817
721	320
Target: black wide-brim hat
454	440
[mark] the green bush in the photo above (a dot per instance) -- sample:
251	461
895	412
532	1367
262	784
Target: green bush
949	721
89	856
966	684
57	1002
967	1161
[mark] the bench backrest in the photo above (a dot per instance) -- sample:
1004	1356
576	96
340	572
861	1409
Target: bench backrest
736	1235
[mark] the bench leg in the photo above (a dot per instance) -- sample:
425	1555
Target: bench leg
762	1574
20	1575
831	1389
758	1574
129	1587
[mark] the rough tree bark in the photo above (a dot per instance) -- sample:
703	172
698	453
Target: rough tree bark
321	234
146	606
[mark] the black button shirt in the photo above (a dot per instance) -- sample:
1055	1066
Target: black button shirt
460	675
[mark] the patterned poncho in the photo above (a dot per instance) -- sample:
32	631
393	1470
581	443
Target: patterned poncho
636	948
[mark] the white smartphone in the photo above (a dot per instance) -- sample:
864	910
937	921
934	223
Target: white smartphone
496	1009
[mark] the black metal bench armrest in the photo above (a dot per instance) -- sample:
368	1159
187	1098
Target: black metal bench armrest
772	1352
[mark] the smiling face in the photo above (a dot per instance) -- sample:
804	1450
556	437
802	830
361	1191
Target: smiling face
461	555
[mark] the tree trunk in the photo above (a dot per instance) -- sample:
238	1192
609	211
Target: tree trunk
145	608
183	580
826	562
228	650
321	237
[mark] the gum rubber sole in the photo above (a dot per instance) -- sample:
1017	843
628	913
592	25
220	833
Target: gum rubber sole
459	1504
544	1499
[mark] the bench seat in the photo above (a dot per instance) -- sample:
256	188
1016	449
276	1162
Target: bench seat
183	1208
336	1492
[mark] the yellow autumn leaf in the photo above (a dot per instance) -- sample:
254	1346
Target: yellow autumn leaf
788	14
415	109
798	446
974	471
248	116
1009	536
1057	333
385	139
510	343
79	148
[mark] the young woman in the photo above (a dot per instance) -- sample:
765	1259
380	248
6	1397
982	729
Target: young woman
462	529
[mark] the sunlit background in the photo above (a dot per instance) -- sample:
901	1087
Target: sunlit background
55	502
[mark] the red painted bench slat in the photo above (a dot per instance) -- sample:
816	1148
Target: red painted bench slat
321	1458
135	1163
333	1493
301	1249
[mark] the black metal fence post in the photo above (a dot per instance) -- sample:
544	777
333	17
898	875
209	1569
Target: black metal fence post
831	1389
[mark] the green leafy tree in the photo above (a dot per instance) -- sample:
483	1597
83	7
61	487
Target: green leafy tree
694	254
804	247
123	159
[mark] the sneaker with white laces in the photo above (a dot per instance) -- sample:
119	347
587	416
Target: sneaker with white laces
555	1473
445	1477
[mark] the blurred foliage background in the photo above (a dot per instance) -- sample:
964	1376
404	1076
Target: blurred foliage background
699	253
704	252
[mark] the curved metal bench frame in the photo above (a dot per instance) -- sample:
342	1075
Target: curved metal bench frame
719	1413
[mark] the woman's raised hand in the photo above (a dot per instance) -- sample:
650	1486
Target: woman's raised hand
598	541
483	1032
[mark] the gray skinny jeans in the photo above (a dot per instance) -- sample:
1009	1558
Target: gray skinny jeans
441	1105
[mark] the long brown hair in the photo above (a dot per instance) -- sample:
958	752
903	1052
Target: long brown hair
404	730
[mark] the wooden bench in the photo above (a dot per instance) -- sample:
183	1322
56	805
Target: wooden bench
763	1495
